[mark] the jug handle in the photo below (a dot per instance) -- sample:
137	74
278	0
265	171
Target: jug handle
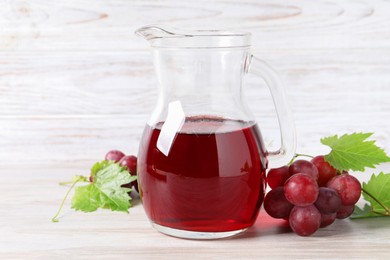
286	124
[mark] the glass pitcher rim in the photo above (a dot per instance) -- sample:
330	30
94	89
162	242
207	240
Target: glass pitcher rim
169	37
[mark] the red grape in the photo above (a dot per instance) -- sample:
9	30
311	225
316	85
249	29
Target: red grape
328	201
301	190
325	170
302	166
345	211
327	219
114	155
304	221
130	162
276	204
277	177
348	187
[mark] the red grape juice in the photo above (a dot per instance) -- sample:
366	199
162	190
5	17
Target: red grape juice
213	179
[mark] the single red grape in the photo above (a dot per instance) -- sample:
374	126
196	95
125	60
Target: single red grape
301	190
325	170
347	186
327	219
276	204
302	166
114	155
277	176
130	162
328	201
345	211
304	221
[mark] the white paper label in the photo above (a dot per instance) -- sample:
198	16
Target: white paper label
171	127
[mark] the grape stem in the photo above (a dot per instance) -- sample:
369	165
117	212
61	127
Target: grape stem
74	182
63	183
380	213
387	210
298	155
77	178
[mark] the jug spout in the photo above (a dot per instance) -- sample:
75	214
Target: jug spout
154	32
169	37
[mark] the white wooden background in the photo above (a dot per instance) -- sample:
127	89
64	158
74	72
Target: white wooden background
76	82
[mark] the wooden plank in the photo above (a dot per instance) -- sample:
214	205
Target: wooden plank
30	200
86	139
67	140
76	83
101	25
120	83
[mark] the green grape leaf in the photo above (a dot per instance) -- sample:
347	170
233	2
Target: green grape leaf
86	198
100	165
353	152
108	181
106	190
377	193
365	212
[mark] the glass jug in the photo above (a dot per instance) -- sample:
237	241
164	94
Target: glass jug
202	161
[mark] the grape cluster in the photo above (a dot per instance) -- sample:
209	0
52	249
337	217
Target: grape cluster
128	161
310	194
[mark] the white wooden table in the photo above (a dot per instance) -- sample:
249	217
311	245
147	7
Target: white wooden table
30	198
75	82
